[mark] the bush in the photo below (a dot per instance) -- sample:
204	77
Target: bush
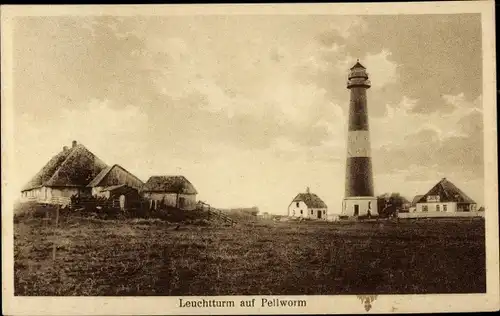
30	210
199	222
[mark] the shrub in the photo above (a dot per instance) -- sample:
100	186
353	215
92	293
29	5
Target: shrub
30	210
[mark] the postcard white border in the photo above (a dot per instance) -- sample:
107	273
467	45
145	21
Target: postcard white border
316	304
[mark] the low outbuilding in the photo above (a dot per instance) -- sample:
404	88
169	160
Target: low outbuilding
174	191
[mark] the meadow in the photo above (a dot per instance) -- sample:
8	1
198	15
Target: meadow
154	257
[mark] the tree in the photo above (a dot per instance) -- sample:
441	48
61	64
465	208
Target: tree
254	211
389	203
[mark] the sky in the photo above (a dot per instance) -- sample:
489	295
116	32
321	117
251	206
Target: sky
253	109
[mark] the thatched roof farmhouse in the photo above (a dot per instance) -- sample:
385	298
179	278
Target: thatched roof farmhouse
66	174
77	171
169	184
175	191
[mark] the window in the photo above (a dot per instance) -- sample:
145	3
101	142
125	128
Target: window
324	211
424	208
312	212
297	204
438	208
433	198
301	212
445	208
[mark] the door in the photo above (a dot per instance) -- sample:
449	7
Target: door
319	214
122	202
182	203
356	210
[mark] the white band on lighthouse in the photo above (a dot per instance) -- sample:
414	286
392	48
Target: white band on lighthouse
358	144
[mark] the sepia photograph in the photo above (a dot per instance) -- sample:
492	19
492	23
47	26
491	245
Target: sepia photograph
250	158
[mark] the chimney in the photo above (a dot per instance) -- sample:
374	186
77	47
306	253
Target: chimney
307	190
74	144
65	148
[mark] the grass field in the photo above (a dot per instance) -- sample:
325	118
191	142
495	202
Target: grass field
152	257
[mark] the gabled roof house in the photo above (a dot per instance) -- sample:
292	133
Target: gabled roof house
308	205
114	176
445	197
173	191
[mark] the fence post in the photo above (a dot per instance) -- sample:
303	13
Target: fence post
54	241
46	219
57	215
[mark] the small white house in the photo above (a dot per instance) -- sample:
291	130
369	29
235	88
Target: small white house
308	205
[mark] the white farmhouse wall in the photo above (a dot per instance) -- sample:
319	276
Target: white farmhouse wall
449	207
298	209
50	195
64	192
313	213
170	199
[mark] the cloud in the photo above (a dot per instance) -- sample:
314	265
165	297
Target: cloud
114	135
382	71
434	56
423	136
441	143
412	151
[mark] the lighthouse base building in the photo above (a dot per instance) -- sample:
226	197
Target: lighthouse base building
360	206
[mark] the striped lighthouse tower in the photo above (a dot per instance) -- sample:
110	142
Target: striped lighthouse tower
359	199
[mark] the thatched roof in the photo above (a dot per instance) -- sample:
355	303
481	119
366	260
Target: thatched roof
310	199
121	189
416	199
115	175
447	192
114	187
169	184
72	167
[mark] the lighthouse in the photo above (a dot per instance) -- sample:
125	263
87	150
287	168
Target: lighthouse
359	199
